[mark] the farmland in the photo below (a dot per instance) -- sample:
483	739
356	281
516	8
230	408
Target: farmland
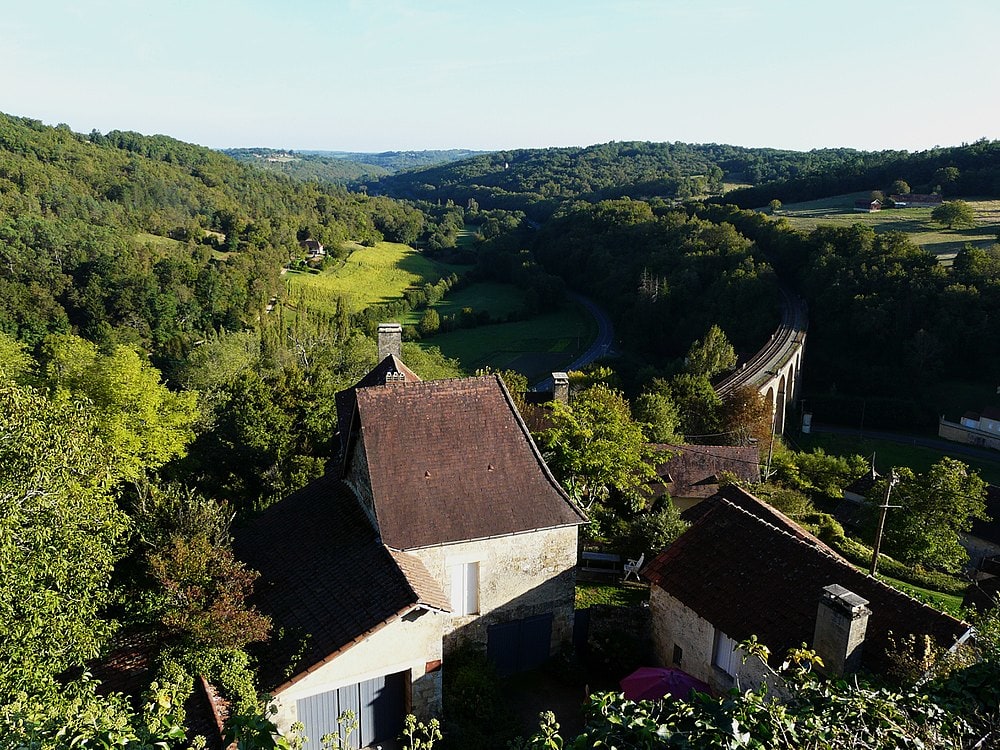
369	275
915	222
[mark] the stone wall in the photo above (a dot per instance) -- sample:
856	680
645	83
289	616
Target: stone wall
520	575
674	624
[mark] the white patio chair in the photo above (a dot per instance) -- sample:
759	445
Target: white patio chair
634	566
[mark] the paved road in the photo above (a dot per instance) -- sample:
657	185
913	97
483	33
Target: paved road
944	446
598	349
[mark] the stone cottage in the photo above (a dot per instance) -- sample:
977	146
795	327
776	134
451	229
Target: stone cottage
441	525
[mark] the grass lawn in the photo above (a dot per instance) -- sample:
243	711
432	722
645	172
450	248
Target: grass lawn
950	603
497	299
534	347
916	222
626	594
369	275
889	454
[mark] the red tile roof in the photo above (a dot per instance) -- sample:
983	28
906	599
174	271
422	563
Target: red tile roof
326	580
452	460
748	576
693	470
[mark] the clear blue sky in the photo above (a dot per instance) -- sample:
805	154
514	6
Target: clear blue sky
374	75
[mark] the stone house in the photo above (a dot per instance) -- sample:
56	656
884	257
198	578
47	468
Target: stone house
744	569
439	526
692	473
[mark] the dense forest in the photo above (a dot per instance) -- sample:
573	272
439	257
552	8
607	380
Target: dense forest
342	167
149	356
538	181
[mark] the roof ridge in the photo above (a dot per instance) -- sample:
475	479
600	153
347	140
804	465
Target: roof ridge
546	471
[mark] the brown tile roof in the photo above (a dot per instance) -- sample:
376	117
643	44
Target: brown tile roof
326	581
129	668
452	460
693	470
389	369
748	576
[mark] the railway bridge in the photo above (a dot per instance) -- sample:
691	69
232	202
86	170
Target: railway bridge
776	370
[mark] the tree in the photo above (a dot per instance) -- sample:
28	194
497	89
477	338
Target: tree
596	448
656	409
935	506
711	355
747	416
900	187
144	424
430	322
954	214
203	594
774	206
61	533
698	405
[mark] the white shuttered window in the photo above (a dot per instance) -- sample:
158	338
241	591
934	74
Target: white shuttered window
465	588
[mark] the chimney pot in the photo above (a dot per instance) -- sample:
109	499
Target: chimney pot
560	387
390	340
841	622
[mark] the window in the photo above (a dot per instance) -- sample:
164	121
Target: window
678	654
465	588
725	653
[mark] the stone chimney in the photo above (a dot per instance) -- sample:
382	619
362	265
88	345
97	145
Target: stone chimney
560	387
390	340
841	622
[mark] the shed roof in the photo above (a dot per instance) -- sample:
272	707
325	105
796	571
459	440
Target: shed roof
326	580
748	576
693	470
452	460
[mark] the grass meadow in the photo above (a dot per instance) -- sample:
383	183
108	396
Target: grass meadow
499	300
916	222
534	347
889	454
369	275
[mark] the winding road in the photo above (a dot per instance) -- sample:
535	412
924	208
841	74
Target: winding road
599	348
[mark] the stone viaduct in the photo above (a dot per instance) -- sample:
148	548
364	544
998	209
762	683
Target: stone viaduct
776	370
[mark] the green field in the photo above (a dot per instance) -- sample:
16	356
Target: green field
369	275
916	222
499	300
889	454
534	347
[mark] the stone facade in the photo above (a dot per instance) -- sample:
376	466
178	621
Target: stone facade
520	575
411	644
358	478
676	626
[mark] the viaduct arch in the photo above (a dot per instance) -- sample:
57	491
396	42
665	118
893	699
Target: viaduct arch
776	370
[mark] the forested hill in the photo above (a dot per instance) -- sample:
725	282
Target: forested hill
151	242
343	167
538	180
972	169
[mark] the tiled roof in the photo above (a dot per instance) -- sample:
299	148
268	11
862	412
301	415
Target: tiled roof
451	460
693	470
326	581
748	576
129	668
390	368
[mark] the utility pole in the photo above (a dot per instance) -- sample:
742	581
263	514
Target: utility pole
893	481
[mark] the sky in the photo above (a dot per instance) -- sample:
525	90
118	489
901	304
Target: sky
379	75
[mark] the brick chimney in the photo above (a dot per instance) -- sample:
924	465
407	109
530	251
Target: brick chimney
841	622
390	340
560	387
